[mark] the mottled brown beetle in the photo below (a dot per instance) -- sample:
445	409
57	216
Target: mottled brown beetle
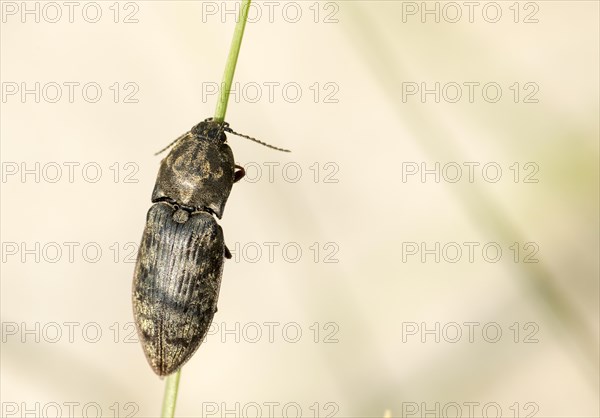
180	261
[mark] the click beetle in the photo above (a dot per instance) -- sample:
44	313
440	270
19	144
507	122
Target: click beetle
180	260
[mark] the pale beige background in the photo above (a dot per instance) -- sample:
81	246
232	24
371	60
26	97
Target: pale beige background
369	213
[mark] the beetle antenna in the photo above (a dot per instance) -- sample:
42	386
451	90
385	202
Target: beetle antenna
228	129
171	144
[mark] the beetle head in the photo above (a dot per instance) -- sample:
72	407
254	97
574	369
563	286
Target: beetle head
211	129
215	130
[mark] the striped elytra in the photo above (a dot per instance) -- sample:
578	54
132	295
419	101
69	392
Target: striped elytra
176	285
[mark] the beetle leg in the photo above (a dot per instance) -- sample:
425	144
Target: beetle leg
227	253
239	174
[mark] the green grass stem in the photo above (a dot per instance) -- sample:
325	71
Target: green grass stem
234	52
170	398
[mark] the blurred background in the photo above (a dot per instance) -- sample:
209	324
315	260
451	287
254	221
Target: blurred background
429	248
